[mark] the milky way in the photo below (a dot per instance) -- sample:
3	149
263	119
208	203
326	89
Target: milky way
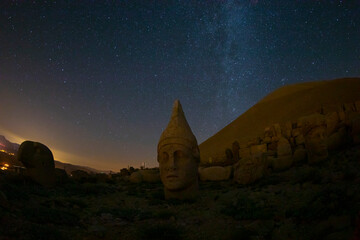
95	80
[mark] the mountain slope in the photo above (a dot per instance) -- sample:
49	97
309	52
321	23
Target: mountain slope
287	103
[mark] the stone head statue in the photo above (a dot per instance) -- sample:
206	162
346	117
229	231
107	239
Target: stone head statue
313	129
178	157
39	162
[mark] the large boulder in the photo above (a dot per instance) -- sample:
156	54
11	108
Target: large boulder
216	173
337	140
283	147
244	152
332	122
136	177
300	155
150	175
258	149
251	169
281	163
39	162
355	130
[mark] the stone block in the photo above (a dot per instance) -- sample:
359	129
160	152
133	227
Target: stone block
355	130
342	116
267	140
299	140
337	140
244	152
275	139
268	132
286	130
296	132
150	175
251	169
216	173
282	163
277	129
135	177
349	107
284	147
300	155
254	141
332	122
357	106
272	146
255	149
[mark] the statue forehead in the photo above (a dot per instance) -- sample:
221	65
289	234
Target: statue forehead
174	146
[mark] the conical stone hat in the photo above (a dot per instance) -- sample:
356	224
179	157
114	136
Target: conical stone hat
178	130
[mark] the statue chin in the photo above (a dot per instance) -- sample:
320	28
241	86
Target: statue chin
187	193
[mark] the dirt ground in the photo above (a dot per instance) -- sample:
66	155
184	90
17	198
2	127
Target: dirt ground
305	202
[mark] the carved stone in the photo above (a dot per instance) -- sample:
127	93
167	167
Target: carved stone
178	157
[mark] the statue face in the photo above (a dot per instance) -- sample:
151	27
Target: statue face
316	143
178	167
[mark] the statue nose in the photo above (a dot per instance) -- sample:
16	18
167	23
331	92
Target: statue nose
172	165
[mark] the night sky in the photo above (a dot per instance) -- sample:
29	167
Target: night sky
95	81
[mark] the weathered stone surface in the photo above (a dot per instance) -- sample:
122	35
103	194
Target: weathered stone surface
254	141
275	139
249	170
292	142
300	155
296	132
286	130
136	177
282	163
272	146
268	132
313	129
228	154
150	175
244	152
284	147
267	140
178	157
215	173
277	129
39	162
299	140
349	107
235	150
342	116
332	123
337	140
256	149
357	106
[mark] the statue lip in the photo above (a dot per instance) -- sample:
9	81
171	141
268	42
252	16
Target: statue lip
171	176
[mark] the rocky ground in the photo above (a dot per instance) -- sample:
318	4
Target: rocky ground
305	202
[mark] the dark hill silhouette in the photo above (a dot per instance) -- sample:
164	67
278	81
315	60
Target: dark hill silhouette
287	103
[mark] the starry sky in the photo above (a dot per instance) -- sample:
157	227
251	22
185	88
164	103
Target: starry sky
95	81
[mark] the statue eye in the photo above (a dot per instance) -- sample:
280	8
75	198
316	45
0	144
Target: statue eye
164	157
179	154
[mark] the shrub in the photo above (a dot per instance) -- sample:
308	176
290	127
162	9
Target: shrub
160	231
43	215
